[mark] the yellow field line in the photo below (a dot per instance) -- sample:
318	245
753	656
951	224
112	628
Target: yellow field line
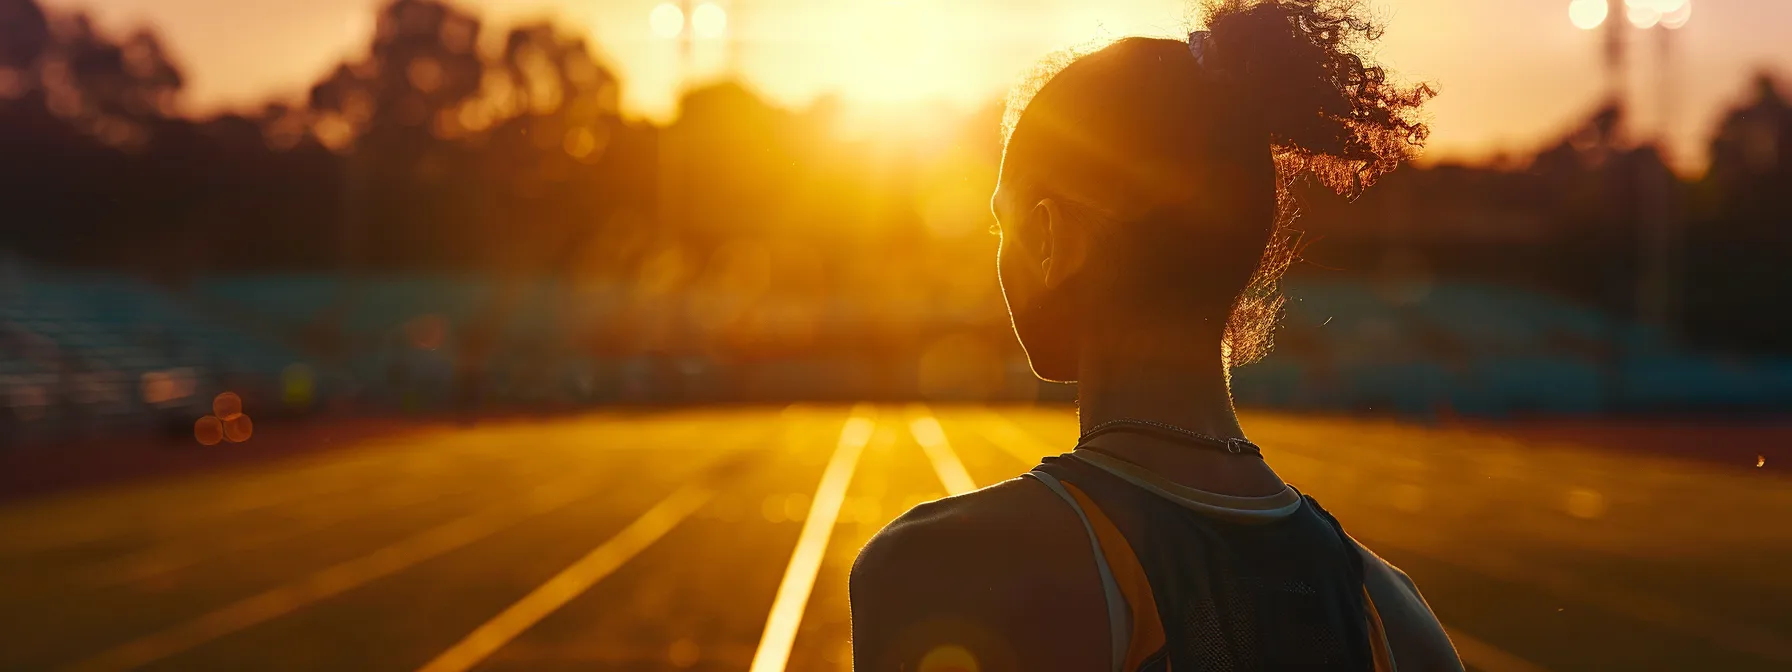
805	562
572	581
336	579
932	437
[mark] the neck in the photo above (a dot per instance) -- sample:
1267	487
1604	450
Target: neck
1170	376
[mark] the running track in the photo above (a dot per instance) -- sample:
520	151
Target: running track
720	539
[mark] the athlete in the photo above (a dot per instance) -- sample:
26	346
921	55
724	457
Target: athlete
1142	206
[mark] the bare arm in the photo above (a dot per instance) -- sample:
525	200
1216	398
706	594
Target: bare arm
1417	639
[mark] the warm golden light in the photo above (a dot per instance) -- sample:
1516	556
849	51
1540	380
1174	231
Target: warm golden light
709	20
1587	14
666	20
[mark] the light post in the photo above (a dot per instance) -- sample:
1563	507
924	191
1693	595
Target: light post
1662	238
1667	15
686	23
1659	232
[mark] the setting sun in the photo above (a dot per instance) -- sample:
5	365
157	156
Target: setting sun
879	53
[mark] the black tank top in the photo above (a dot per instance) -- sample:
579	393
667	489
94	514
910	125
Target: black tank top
1279	594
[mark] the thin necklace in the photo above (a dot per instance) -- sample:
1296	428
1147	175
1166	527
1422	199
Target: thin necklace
1172	432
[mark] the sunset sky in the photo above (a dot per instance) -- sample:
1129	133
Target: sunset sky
1512	72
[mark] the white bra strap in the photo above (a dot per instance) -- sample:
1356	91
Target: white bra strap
1119	630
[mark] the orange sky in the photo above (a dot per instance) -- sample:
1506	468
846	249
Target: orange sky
1512	72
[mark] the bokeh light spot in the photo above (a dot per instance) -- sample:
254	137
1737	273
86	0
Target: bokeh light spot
1587	14
796	507
334	131
709	20
666	20
1585	504
684	653
425	73
209	430
238	428
1642	14
948	658
227	405
580	143
1676	14
772	509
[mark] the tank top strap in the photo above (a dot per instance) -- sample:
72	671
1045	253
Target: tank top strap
1136	631
1380	651
1351	554
1118	632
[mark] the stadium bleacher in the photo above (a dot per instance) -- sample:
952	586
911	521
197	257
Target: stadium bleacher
84	352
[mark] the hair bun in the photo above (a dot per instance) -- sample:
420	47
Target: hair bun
1293	69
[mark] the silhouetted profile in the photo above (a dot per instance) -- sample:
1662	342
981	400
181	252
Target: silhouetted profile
1141	201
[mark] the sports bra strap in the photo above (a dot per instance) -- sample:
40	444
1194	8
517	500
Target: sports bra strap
1119	630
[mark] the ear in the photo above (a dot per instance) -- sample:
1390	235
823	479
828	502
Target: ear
1066	243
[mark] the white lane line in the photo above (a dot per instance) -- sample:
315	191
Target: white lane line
805	562
572	581
1487	657
337	578
932	437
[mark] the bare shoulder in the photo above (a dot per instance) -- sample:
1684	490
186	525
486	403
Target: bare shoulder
1414	634
1004	573
989	530
1017	507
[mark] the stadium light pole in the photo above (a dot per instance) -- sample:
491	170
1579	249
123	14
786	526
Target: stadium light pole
671	20
684	21
1658	233
1615	55
1661	240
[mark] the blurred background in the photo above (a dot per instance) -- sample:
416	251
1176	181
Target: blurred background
464	213
355	218
441	208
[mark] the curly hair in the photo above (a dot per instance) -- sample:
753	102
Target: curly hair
1140	128
1292	67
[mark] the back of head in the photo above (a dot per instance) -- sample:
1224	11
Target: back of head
1183	152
